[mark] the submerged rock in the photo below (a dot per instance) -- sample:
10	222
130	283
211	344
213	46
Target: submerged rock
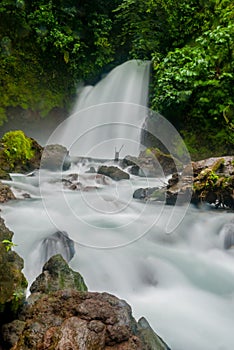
57	243
227	233
113	172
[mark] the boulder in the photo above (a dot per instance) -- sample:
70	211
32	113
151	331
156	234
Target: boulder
57	275
66	317
152	163
55	158
113	172
6	193
18	166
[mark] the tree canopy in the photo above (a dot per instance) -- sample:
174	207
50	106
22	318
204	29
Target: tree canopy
48	47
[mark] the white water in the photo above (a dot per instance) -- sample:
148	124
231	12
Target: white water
108	115
182	282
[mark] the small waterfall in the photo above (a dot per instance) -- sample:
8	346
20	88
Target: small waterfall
57	243
109	115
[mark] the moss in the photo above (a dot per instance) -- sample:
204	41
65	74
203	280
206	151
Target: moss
218	165
17	148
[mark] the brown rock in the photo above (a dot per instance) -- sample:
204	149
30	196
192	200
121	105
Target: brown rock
6	193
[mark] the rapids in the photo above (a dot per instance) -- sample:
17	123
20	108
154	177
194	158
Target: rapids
181	282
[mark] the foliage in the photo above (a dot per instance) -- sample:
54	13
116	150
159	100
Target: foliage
195	85
48	47
8	244
17	147
153	27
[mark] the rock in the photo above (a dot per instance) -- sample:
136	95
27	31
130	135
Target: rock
68	319
18	166
55	158
179	190
149	337
221	165
57	243
152	163
6	193
210	181
91	170
11	332
144	193
35	162
57	275
87	182
214	188
113	172
12	282
227	232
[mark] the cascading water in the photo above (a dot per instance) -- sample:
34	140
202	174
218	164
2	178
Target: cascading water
182	282
108	115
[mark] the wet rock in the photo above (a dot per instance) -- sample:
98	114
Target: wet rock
208	181
113	172
149	337
57	275
91	170
152	163
214	188
12	282
227	232
18	166
6	193
57	243
55	158
87	182
179	190
68	319
144	193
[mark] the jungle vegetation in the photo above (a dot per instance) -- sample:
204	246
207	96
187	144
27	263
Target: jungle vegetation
48	47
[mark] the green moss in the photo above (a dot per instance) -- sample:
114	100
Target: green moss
17	147
218	164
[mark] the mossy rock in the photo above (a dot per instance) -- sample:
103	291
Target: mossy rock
57	275
18	154
12	282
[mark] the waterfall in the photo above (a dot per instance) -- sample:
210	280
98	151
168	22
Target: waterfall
182	282
108	115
